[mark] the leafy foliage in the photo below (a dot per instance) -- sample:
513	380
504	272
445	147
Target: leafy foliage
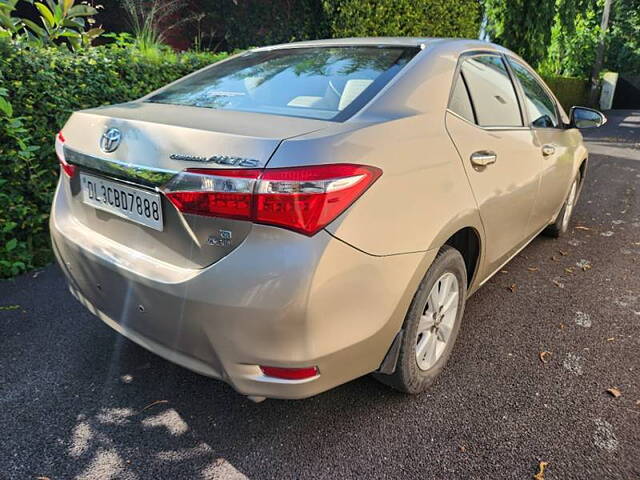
19	192
63	19
623	53
573	47
248	23
433	18
560	36
151	21
523	26
63	22
39	88
9	25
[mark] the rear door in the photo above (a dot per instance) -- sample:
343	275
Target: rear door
498	152
555	143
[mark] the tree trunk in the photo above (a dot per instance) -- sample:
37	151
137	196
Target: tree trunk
597	65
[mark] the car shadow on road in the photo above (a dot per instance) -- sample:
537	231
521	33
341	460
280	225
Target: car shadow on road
164	418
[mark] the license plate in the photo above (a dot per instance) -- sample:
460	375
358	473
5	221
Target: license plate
135	204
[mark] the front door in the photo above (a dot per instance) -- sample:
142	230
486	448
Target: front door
498	152
556	144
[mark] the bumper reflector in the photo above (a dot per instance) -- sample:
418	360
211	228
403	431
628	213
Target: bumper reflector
290	373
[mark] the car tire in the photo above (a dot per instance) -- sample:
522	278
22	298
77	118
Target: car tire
561	225
432	317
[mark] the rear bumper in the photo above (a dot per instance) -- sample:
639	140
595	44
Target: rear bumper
279	299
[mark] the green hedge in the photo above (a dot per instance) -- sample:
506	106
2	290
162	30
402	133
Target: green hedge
429	18
251	23
39	88
247	23
570	91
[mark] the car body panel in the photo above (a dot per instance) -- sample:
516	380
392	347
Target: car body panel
151	135
506	191
304	301
425	183
152	132
558	170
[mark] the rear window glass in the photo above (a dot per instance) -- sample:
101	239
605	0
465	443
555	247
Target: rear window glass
492	93
460	102
329	83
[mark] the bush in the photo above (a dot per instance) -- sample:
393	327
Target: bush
569	91
39	88
247	23
421	18
250	23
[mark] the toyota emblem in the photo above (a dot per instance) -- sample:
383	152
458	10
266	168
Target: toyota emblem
110	140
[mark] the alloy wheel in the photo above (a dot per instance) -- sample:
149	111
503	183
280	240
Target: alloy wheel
437	321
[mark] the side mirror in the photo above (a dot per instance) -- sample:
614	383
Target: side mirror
583	117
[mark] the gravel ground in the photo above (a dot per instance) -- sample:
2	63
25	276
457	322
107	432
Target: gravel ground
78	400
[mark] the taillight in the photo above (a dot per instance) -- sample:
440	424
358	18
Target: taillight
214	193
303	199
70	170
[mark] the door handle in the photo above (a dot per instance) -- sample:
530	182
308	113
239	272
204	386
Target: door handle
548	150
483	158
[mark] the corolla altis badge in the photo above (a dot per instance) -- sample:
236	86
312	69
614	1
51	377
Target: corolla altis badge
110	140
219	159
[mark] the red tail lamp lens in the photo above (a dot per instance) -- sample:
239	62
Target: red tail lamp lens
290	373
306	199
303	199
70	170
214	193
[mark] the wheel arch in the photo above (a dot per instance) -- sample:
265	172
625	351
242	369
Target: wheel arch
465	233
582	168
467	242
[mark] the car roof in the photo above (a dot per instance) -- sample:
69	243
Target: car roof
454	45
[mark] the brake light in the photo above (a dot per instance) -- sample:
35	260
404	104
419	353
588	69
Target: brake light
290	373
213	193
303	199
70	170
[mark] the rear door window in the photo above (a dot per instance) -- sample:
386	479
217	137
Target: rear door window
541	109
328	83
492	93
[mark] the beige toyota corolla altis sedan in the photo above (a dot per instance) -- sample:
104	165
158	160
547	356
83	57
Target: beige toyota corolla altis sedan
298	216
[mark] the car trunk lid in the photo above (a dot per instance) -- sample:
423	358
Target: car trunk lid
156	142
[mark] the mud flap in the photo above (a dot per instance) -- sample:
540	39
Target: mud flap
390	361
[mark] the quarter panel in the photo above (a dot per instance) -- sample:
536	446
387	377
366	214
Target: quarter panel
422	190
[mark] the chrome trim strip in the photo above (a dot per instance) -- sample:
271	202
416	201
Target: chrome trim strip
149	176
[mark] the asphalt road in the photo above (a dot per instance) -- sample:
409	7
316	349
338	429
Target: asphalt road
77	400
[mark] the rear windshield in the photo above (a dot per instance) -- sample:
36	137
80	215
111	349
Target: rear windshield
328	83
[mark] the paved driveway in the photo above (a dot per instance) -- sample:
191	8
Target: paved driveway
76	399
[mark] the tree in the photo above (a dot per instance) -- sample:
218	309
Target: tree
574	38
561	37
623	45
597	64
523	26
